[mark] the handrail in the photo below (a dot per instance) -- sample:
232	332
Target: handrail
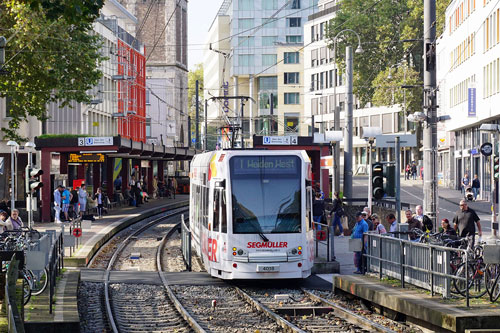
186	244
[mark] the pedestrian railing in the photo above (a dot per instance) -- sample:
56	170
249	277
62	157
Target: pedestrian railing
424	265
56	261
322	238
186	243
12	304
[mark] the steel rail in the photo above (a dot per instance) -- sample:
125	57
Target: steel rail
183	312
350	316
111	262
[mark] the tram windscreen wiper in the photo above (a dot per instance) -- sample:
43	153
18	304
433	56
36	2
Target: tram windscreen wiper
264	238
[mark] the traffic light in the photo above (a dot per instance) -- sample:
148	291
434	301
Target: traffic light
33	182
378	180
390	180
496	166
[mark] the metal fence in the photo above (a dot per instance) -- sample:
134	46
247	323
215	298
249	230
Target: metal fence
186	243
55	262
423	265
14	317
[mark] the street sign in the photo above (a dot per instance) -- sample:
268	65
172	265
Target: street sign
277	140
326	162
77	232
193	140
388	140
96	141
486	149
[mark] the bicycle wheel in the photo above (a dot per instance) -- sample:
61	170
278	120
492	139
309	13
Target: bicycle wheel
495	289
26	289
491	273
40	284
476	281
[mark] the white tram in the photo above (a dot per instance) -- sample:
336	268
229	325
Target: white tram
250	213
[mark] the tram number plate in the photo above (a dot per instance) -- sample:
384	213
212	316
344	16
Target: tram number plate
268	268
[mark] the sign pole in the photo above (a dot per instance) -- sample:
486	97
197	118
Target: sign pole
398	179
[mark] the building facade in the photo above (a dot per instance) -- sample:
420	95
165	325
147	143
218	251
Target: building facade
468	75
259	34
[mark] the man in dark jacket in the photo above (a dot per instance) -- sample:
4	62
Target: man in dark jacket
318	208
466	220
337	212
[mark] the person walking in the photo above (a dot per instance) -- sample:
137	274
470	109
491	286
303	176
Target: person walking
414	171
318	210
476	185
393	224
447	229
413	223
465	182
377	226
358	233
66	199
336	214
82	199
465	221
57	204
74	201
14	222
3	220
407	172
100	201
174	185
424	219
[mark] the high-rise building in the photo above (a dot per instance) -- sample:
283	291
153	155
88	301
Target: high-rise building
249	43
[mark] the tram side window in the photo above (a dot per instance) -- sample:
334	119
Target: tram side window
308	209
216	210
224	211
197	204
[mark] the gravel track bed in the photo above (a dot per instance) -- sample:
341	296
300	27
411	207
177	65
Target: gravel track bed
90	306
146	244
357	307
145	308
231	314
327	322
172	256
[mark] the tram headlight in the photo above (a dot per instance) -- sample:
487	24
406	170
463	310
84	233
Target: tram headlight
294	251
240	252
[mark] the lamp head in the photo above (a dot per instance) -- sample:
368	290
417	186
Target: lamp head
359	50
12	144
30	144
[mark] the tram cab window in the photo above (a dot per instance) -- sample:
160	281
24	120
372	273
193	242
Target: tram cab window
216	210
308	209
223	211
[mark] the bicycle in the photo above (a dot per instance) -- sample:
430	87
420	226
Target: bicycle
476	283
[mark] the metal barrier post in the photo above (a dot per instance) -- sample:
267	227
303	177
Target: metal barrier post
189	250
380	262
327	244
402	260
431	270
316	237
467	279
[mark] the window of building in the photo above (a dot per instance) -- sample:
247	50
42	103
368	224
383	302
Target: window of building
269	40
295	4
269	4
387	123
247	41
269	59
245	60
291	78
313	80
245	4
269	23
294	39
268	83
147	97
314	58
291	98
293	22
291	57
322	55
265	99
321	30
312	33
8	106
246	23
148	127
291	123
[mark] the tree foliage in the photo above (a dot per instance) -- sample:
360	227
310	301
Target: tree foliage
49	58
382	25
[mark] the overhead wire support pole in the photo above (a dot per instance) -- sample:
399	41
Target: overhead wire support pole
205	142
430	109
197	125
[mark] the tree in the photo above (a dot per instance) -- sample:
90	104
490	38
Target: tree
193	75
382	25
50	57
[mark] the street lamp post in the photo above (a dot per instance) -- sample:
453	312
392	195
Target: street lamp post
12	145
349	110
29	206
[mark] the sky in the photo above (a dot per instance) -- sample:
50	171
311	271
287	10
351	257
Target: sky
201	13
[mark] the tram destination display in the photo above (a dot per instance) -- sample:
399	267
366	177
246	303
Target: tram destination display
248	165
86	158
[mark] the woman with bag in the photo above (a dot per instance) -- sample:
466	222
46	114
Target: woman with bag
337	212
100	200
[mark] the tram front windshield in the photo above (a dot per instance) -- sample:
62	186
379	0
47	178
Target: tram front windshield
266	194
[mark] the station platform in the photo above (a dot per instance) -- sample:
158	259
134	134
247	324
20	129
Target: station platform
64	316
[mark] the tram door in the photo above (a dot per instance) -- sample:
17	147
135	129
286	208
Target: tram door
218	234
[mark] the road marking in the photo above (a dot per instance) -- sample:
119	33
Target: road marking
413	195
